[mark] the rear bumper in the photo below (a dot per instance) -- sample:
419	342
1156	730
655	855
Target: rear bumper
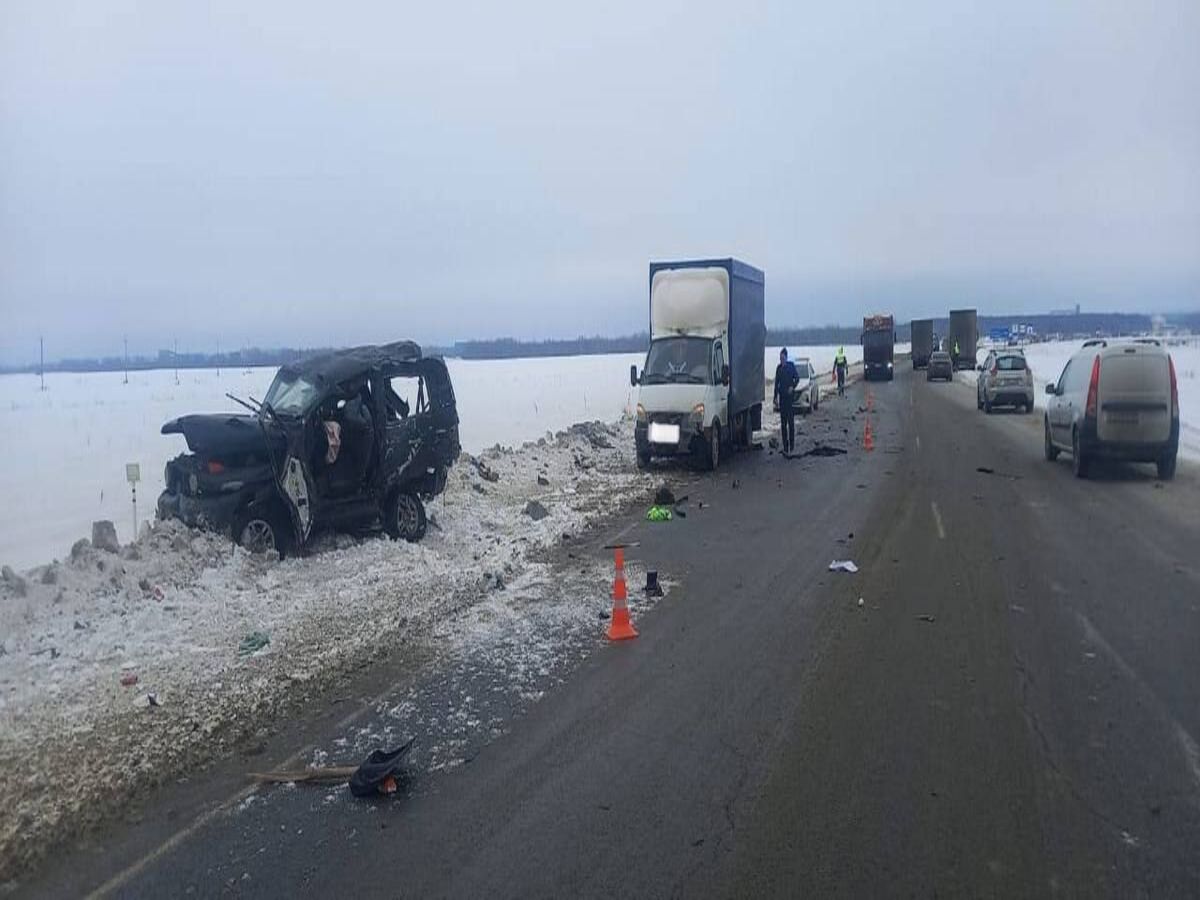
946	373
209	513
1130	451
1009	396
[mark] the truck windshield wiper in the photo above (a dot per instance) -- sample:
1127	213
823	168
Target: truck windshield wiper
241	402
687	376
653	377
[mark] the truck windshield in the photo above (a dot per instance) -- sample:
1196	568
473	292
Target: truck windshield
291	396
679	359
876	339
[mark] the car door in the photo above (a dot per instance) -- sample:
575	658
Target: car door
1058	409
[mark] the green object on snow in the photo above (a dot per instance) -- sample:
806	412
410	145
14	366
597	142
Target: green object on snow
659	514
253	642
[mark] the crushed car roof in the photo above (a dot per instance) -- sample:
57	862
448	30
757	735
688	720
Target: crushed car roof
331	368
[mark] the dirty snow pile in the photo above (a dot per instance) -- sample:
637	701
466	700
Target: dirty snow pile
122	668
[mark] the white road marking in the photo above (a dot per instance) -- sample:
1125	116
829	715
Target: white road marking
937	518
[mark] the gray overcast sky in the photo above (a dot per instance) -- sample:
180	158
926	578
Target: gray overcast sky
311	173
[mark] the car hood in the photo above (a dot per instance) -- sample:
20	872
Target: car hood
208	433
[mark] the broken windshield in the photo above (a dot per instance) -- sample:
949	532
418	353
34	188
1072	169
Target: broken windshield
679	359
291	395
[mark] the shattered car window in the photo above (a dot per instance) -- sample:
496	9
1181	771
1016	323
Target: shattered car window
291	396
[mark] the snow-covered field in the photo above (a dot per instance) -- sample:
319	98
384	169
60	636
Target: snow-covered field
68	445
1047	360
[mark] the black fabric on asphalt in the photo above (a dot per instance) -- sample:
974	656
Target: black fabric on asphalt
377	768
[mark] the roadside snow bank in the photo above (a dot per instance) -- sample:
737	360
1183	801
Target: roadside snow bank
170	611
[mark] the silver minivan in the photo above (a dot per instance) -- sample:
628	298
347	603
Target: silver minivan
1115	400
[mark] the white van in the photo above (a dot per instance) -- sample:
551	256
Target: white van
1115	400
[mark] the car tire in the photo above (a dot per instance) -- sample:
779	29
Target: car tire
987	406
1166	466
404	518
1051	450
1079	460
263	531
712	455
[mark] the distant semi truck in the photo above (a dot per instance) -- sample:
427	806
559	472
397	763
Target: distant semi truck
922	342
702	387
879	347
963	338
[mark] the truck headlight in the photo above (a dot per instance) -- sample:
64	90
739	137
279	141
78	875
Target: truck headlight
697	417
641	413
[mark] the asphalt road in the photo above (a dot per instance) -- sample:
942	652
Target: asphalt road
1013	709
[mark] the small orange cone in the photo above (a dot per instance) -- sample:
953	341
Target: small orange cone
621	628
868	438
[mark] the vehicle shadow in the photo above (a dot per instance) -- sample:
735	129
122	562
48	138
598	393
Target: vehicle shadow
1114	471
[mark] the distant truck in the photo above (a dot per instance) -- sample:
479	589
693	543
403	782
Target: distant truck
922	342
702	387
879	346
963	338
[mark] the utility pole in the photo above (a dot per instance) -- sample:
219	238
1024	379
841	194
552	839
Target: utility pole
42	361
126	339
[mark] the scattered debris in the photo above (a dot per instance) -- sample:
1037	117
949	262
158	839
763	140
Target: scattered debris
543	481
536	510
104	536
253	642
843	565
380	771
658	514
129	679
860	602
988	470
653	588
306	776
926	617
485	471
664	496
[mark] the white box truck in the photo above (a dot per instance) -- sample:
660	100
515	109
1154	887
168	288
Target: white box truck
702	387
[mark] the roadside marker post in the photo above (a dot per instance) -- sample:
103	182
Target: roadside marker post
133	474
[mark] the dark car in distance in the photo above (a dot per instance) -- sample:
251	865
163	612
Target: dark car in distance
940	366
353	440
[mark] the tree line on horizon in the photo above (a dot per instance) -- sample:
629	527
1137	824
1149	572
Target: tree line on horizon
1045	324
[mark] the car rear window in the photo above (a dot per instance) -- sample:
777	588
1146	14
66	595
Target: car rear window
1137	372
802	370
1010	363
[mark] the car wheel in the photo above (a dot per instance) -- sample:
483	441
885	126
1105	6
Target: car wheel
1079	460
1051	450
713	458
261	532
987	406
405	517
1166	466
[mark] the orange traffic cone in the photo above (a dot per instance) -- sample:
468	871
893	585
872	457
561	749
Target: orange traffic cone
868	438
621	628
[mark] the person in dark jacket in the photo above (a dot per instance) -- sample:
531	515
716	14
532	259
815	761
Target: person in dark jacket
786	379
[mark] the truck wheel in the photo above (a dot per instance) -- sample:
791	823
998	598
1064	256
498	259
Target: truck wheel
262	531
1079	461
643	460
1166	466
405	517
747	430
713	457
1051	450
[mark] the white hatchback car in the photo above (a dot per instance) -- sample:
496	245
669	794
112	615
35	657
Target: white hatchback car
1117	400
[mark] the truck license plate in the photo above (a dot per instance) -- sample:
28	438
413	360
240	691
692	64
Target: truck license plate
663	434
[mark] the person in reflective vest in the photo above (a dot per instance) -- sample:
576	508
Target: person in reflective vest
839	368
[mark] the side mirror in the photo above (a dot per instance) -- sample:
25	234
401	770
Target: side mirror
633	379
725	374
1052	390
979	368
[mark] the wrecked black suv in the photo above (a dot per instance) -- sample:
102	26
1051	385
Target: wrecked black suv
349	441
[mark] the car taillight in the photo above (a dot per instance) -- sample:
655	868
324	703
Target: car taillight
1093	388
1174	389
215	467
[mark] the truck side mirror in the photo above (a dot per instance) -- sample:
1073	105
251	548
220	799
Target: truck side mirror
1051	389
633	379
725	374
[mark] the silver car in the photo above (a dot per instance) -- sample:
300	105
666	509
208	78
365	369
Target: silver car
806	395
1004	380
1117	401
